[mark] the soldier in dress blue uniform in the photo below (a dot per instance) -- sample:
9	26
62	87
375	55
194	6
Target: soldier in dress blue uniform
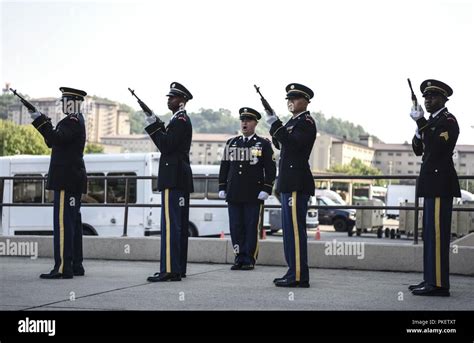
435	140
68	179
295	181
175	182
246	179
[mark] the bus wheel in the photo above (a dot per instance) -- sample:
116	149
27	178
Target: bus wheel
88	230
379	232
192	230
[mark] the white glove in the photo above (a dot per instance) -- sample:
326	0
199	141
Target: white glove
270	117
417	113
150	120
417	134
263	195
34	115
222	195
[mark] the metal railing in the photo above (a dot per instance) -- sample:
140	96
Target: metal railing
127	205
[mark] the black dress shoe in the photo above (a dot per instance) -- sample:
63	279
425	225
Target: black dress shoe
247	267
162	277
236	266
292	284
55	275
78	271
275	280
412	287
431	291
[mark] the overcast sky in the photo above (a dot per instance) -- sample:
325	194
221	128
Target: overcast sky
355	55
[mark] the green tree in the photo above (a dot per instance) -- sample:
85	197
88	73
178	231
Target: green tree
93	148
357	167
5	101
21	139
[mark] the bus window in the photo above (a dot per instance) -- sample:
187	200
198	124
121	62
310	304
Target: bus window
28	191
154	184
95	190
199	188
213	188
116	189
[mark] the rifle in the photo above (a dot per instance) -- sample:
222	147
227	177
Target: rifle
413	96
269	109
265	103
25	102
144	107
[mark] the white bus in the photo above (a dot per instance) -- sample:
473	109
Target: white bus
108	221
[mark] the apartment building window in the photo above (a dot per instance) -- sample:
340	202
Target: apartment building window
410	154
462	165
399	154
201	145
398	163
418	163
410	172
390	154
410	163
377	162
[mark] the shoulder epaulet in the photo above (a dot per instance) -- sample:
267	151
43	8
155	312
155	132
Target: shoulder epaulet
309	118
182	116
449	116
230	140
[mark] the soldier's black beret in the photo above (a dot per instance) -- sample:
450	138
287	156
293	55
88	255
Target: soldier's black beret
296	90
73	92
435	86
250	113
177	89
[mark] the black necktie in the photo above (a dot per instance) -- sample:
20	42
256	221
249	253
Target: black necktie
245	140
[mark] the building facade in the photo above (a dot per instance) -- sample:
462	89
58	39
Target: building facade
103	117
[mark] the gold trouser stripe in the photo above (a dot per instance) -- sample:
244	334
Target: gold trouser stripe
296	233
438	241
258	230
168	231
61	231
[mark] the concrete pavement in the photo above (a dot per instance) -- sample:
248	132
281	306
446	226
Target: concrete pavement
121	285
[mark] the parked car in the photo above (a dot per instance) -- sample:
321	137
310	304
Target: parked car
342	219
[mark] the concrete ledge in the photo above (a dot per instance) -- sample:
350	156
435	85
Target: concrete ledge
467	241
382	257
